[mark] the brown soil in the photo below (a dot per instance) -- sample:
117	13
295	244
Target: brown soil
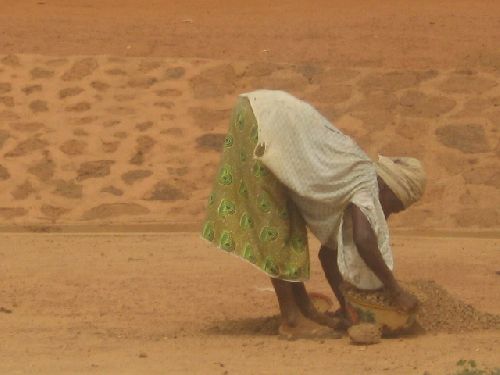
83	303
111	113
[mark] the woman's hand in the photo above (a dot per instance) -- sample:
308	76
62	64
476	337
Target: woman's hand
405	301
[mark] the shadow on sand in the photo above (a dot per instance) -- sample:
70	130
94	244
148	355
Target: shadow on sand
265	326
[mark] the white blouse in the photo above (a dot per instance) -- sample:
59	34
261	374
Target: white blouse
325	171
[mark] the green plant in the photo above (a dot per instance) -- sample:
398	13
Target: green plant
470	367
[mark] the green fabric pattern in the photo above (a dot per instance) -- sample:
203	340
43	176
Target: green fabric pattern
249	213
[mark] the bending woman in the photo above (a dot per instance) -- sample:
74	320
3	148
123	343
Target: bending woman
284	167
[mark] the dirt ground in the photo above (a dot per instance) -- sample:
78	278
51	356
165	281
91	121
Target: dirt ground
393	34
170	304
142	91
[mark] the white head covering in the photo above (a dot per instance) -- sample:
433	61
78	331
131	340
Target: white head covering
404	176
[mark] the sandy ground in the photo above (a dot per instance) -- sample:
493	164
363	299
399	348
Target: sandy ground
170	304
111	118
393	34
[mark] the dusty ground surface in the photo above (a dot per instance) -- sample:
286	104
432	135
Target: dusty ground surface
395	34
170	304
112	113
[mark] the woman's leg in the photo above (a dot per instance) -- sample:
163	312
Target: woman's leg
293	323
290	311
309	310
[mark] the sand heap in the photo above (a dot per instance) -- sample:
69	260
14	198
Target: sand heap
439	311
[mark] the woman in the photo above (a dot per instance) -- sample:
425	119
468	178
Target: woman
284	166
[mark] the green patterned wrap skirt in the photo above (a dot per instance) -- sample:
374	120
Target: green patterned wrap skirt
249	212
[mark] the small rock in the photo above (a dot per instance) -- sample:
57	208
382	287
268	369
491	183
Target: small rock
365	334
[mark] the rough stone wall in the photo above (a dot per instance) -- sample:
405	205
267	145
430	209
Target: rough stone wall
112	140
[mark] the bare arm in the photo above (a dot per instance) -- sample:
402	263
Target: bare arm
328	258
367	245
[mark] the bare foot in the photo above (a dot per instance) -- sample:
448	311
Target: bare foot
304	328
323	319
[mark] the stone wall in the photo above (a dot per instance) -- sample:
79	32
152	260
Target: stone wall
103	140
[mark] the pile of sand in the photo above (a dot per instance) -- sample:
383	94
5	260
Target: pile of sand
439	311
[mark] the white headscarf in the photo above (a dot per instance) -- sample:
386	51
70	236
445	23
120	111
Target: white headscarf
404	176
